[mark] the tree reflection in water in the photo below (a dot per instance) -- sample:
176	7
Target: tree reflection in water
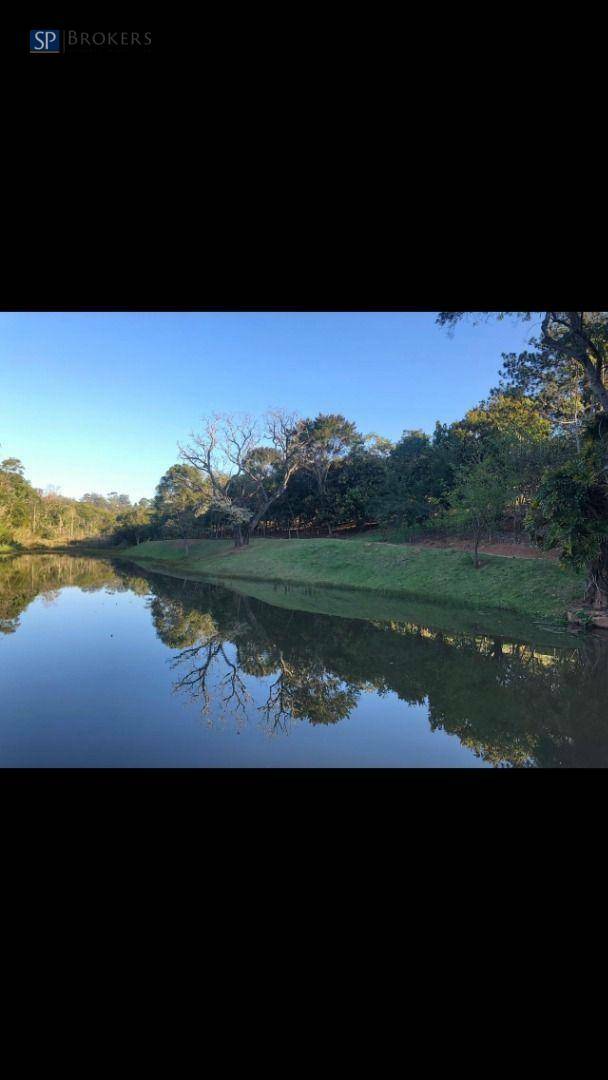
198	660
24	577
302	688
513	703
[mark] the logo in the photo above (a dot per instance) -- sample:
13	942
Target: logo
45	41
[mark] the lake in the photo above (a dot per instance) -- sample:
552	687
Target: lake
106	664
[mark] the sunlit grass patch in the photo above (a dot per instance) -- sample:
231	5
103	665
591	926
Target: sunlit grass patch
530	587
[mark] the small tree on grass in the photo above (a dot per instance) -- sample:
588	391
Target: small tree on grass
479	500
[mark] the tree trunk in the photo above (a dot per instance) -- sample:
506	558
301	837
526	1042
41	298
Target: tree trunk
597	579
477	551
238	536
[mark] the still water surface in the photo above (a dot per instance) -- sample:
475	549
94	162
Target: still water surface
106	664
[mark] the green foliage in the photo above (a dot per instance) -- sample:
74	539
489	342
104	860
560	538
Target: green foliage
329	438
330	441
134	525
112	501
426	476
182	497
566	373
345	480
571	510
508	419
356	485
414	482
479	499
567	365
29	516
13	466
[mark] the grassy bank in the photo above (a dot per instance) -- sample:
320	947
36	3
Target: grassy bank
531	587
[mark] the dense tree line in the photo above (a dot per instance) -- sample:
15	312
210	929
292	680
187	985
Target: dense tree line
565	371
531	460
479	474
29	515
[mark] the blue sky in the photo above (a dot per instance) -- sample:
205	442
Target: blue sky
98	401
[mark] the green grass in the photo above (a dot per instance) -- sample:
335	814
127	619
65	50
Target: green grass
531	587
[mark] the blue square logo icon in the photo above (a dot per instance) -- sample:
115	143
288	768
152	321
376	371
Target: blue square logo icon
45	41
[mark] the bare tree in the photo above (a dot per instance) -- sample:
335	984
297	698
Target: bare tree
249	463
200	660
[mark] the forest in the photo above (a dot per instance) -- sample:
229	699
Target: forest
31	517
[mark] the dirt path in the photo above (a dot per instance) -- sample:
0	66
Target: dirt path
508	551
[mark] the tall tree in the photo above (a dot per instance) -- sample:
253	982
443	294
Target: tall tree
12	465
511	431
182	495
569	341
246	480
329	437
411	485
133	525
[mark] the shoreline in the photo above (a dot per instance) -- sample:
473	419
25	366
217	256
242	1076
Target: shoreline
533	588
444	577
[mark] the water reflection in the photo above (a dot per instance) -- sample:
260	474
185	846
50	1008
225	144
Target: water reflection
299	685
512	703
24	577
